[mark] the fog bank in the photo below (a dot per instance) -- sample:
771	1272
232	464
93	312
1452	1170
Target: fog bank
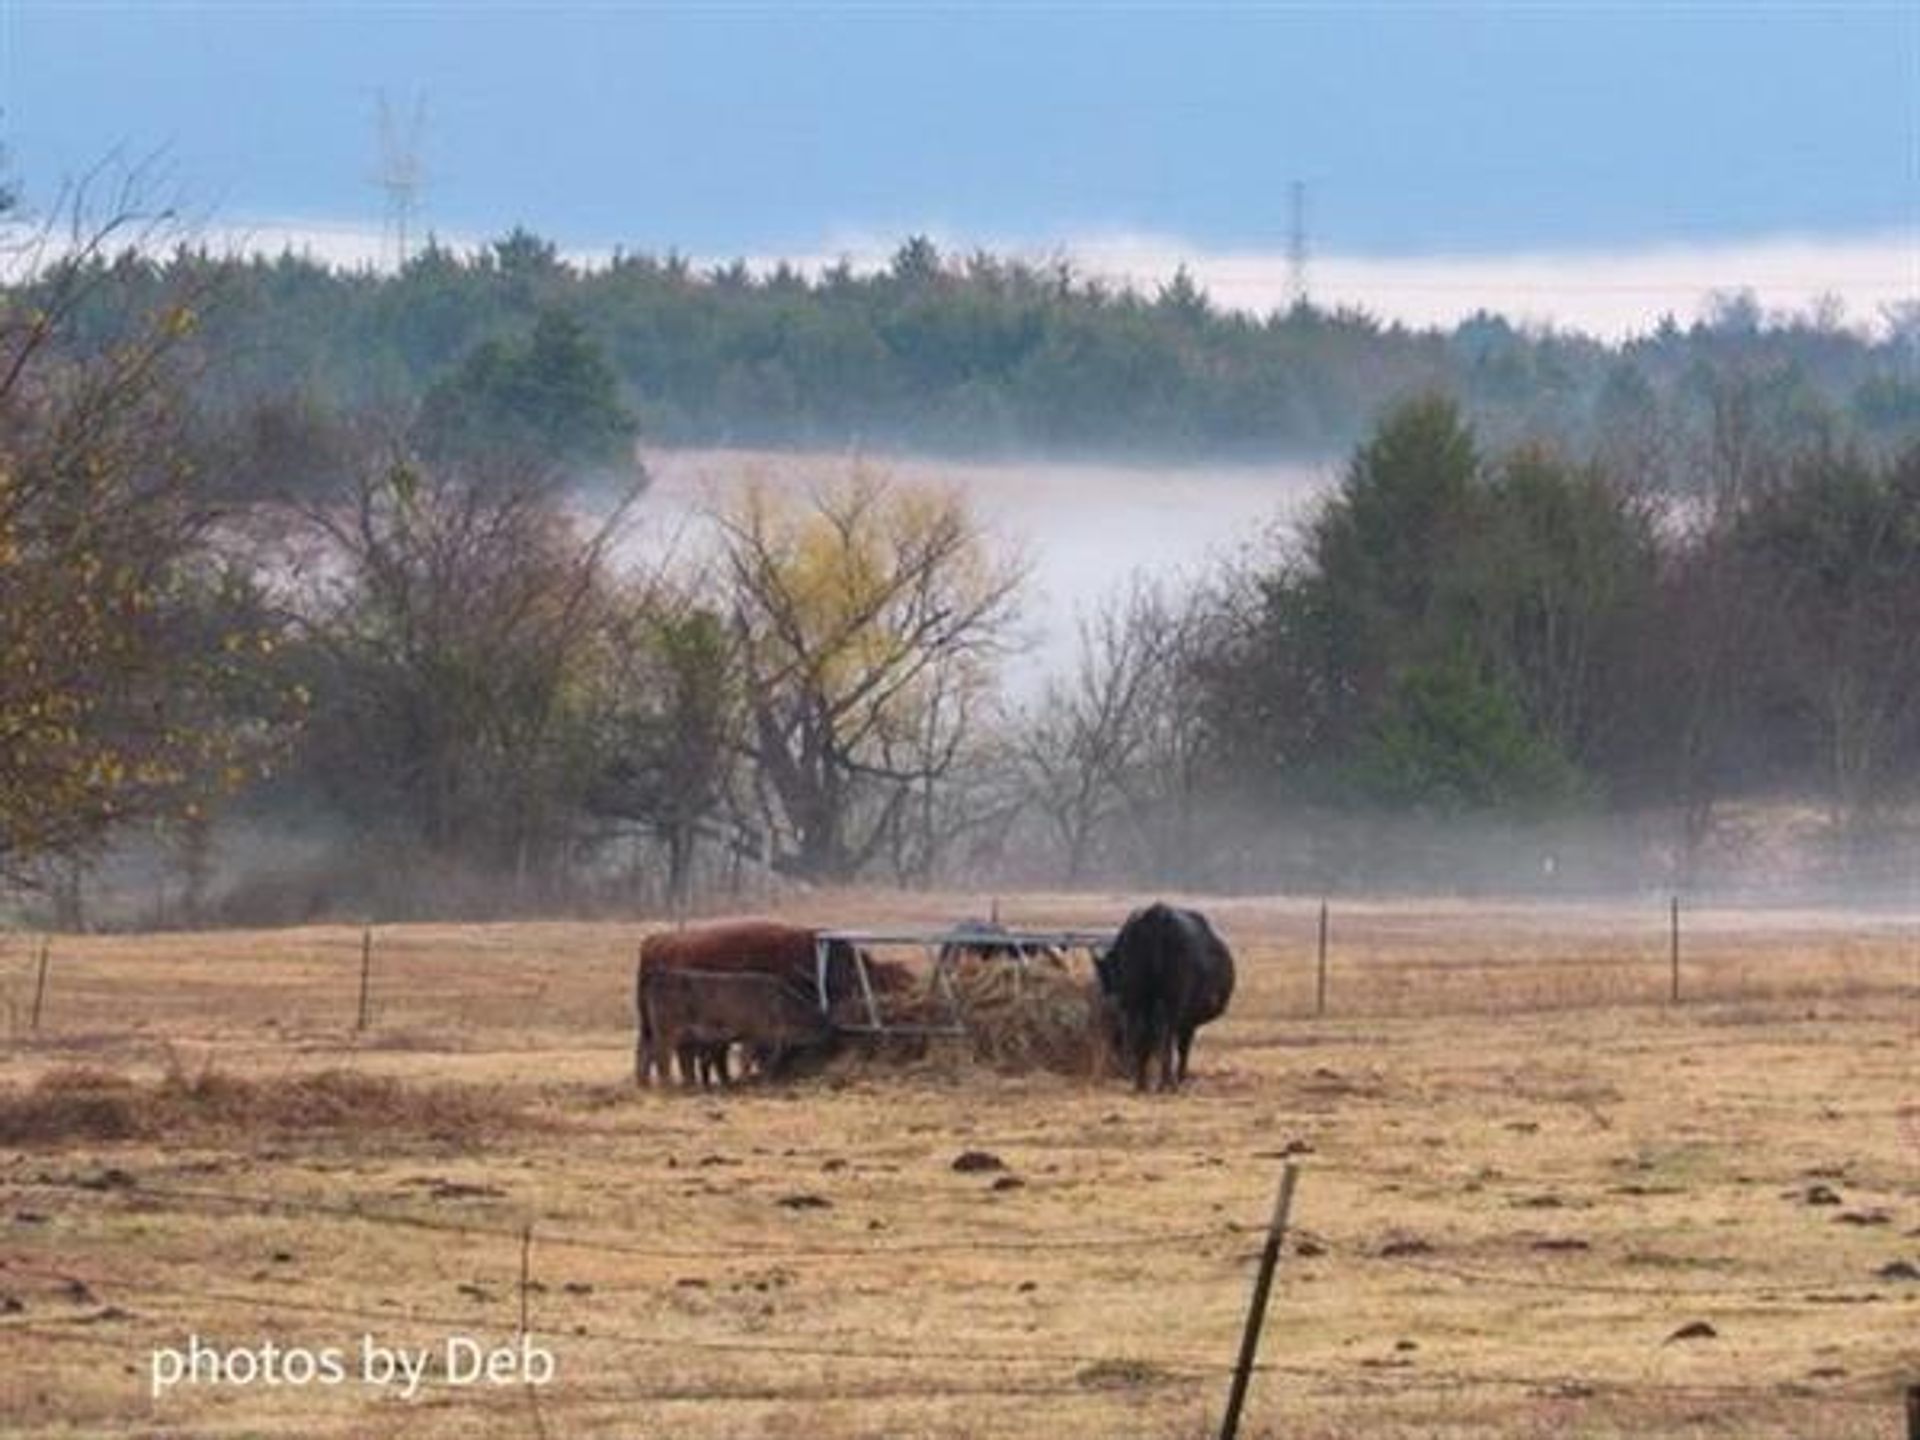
1084	528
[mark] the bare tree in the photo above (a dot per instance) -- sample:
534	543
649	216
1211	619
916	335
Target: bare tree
455	613
1116	740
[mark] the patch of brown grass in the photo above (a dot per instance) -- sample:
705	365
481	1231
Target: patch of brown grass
1507	1083
86	1102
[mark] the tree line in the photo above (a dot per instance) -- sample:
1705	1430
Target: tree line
986	354
424	631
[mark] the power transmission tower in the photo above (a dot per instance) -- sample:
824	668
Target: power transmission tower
400	175
1297	245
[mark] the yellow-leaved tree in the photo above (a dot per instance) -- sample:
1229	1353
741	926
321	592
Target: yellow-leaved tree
869	614
136	674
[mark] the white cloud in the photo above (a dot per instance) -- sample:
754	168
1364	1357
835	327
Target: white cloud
1608	293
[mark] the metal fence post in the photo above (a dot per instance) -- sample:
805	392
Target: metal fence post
1257	1309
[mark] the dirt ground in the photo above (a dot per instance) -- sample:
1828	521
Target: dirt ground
1534	1196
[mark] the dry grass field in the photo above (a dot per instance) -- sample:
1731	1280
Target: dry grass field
1522	1172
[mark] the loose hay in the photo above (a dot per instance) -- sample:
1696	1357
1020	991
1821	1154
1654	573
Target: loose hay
1039	1018
90	1103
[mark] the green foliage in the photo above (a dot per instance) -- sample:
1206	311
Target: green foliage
1452	742
1453	632
1385	544
552	397
981	353
670	694
1558	578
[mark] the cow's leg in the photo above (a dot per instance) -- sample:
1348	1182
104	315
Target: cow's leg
1168	1038
657	1060
1186	1046
720	1062
1139	1043
688	1054
642	1035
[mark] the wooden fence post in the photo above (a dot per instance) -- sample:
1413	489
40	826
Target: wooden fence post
1320	987
365	1013
1673	949
39	985
526	1270
1257	1310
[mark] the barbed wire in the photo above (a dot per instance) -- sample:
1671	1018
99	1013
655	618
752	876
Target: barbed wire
1471	1276
562	1238
745	1253
1169	1365
1092	1370
179	1296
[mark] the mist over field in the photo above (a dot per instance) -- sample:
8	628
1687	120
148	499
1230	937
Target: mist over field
1084	530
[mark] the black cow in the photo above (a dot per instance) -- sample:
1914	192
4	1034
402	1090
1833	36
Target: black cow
1165	975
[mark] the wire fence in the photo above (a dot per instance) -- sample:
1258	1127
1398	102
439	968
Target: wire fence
1038	1371
422	985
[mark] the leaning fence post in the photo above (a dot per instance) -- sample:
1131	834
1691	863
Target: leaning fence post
39	984
366	977
1673	949
1320	987
1257	1309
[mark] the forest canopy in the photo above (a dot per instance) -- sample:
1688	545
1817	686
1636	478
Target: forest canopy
986	354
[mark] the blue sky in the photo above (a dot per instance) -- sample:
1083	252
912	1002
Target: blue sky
759	130
752	129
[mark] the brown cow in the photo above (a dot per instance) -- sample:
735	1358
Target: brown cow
783	953
695	1015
